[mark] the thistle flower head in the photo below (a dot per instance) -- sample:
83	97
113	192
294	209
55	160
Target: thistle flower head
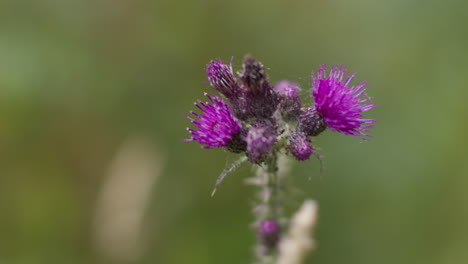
222	78
215	126
260	120
339	103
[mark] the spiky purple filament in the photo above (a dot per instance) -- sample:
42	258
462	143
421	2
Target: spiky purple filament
340	105
215	126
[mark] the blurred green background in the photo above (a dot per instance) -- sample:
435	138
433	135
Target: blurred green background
92	168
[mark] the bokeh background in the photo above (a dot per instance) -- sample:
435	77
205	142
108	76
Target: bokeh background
92	168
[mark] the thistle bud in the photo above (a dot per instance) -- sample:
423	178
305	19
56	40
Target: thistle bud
289	101
261	100
300	145
260	139
253	74
269	233
311	121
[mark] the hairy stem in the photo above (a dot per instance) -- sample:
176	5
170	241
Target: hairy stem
274	185
268	179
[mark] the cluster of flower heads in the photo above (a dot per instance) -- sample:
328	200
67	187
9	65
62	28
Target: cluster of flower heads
256	116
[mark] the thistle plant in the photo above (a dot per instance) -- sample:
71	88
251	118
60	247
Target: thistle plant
263	123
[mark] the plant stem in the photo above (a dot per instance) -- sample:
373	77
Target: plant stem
270	206
274	185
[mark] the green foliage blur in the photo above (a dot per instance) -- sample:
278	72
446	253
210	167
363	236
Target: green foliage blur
82	80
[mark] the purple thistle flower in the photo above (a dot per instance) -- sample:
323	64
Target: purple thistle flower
260	139
300	145
269	233
340	105
215	126
222	78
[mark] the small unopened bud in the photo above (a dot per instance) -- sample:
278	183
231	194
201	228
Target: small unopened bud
269	233
260	139
260	99
252	74
300	145
311	122
289	102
